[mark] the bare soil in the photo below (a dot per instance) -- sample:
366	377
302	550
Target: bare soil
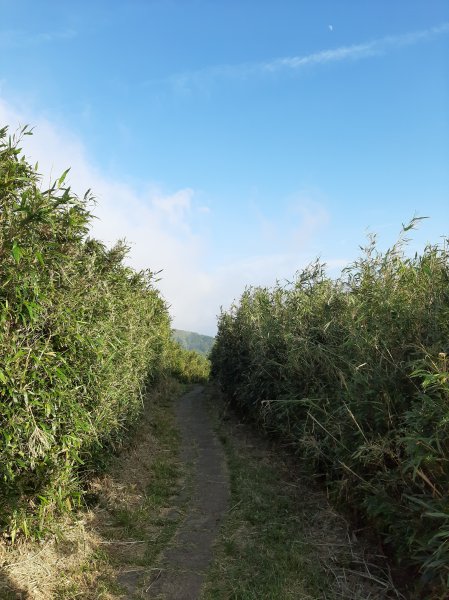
184	563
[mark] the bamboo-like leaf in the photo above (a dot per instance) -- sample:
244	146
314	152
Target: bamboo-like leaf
62	178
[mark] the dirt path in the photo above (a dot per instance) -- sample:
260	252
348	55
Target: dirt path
185	561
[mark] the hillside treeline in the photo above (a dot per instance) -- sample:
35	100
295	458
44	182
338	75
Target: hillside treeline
354	375
190	340
81	334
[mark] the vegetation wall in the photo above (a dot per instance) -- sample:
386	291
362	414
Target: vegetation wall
354	375
81	334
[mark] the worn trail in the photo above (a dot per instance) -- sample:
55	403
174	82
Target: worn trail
184	563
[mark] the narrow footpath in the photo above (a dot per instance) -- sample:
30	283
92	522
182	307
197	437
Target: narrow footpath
280	540
184	563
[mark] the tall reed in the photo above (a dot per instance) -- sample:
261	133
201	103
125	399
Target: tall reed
354	374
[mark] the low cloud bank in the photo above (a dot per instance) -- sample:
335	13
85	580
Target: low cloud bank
160	228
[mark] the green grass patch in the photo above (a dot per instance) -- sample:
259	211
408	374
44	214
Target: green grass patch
281	539
258	554
154	519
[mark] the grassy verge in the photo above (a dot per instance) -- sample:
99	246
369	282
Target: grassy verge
281	539
111	550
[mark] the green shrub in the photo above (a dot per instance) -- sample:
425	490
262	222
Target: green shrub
189	366
80	335
353	373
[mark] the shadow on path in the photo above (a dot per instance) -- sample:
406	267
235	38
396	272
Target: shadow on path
9	590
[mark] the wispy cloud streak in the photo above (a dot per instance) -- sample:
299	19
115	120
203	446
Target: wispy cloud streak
377	47
357	51
15	38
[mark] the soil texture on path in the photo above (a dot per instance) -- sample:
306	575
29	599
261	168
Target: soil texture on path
184	563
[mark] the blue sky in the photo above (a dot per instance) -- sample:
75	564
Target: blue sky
231	142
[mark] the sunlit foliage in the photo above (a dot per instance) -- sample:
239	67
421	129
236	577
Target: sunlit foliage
354	375
80	336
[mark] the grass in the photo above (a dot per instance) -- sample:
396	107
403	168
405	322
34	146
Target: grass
281	539
258	554
135	507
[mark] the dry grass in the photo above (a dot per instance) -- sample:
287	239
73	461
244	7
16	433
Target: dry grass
33	570
129	518
355	565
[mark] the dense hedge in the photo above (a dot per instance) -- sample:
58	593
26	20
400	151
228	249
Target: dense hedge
189	366
80	335
354	374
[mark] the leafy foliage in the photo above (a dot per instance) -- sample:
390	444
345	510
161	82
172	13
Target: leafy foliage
189	366
354	374
80	335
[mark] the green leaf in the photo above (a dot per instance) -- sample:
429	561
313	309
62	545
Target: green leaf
40	258
437	515
17	252
63	176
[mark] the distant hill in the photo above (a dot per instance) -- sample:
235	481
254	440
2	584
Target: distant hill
194	341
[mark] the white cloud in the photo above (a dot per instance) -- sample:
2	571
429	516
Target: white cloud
313	217
357	51
295	226
324	56
175	207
